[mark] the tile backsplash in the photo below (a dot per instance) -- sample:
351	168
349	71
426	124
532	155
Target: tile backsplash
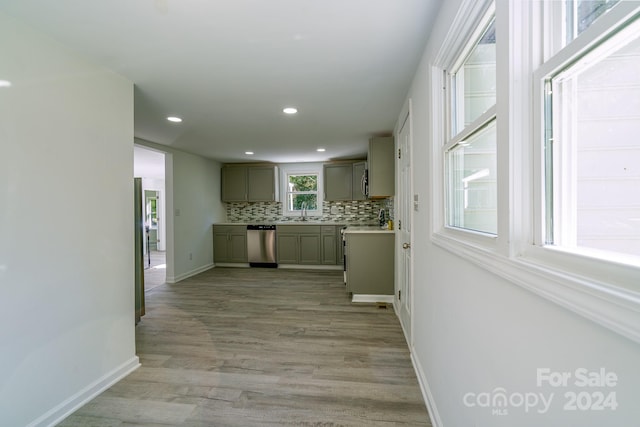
344	212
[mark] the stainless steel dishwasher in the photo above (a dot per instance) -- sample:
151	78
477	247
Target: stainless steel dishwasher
261	245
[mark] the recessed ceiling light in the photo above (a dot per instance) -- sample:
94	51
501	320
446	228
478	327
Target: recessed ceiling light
174	119
321	150
5	83
290	110
248	153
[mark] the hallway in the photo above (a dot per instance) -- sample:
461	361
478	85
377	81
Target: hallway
259	347
155	270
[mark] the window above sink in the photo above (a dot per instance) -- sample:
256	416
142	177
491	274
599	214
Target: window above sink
300	189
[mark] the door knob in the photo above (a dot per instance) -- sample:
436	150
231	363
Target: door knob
406	245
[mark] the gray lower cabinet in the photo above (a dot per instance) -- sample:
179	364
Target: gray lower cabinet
329	245
370	263
298	244
295	244
294	248
230	243
287	247
339	246
307	244
309	249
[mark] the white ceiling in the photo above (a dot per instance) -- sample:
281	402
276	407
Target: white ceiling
148	163
228	67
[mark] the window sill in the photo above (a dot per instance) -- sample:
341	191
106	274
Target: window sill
612	303
458	239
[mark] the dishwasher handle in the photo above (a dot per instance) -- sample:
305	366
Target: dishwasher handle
261	227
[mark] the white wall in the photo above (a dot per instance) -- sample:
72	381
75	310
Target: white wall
474	332
66	227
193	204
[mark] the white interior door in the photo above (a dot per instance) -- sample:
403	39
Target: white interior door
404	222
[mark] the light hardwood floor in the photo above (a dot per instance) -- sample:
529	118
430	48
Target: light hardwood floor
155	273
262	347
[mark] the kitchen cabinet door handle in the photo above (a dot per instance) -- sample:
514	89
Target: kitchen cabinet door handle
406	245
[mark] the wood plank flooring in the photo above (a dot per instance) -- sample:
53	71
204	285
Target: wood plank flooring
262	347
155	273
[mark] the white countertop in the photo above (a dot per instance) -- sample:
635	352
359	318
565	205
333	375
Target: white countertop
350	228
341	224
367	229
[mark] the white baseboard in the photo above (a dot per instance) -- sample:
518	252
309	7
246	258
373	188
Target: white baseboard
372	298
75	402
427	396
426	392
176	279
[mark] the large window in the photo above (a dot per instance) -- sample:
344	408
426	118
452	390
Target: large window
591	96
470	149
548	178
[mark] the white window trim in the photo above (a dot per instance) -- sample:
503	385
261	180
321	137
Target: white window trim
472	128
603	291
300	169
600	286
468	26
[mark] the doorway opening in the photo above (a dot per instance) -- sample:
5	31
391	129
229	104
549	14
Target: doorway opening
149	165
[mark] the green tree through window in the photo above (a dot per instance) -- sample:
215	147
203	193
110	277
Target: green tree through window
302	192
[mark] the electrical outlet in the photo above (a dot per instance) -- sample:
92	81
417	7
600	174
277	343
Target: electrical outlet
190	256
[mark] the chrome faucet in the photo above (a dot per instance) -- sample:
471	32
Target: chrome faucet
303	214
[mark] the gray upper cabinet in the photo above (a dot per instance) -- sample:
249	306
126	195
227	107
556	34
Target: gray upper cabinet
359	169
262	183
343	181
249	183
338	181
381	161
234	183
